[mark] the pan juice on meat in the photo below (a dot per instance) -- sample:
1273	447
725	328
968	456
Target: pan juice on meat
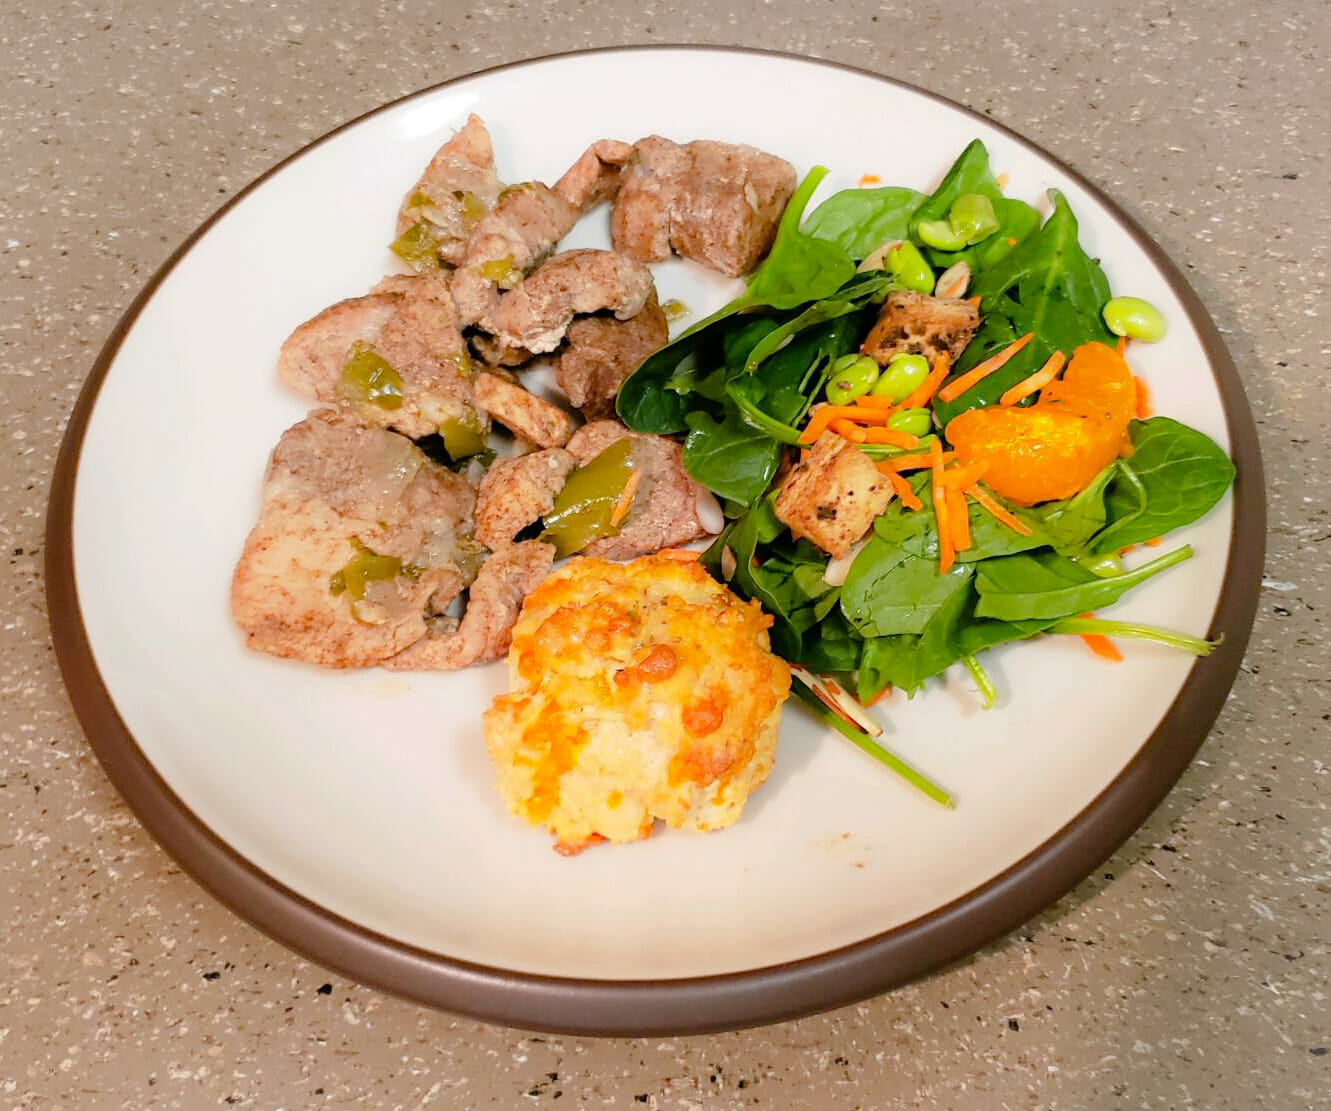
913	437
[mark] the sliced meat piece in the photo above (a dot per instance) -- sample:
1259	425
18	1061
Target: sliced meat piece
594	177
533	418
518	492
912	323
536	314
832	496
716	203
414	331
457	188
493	352
506	243
665	510
603	351
342	498
393	283
493	606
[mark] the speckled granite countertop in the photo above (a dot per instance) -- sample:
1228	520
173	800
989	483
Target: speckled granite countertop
1191	971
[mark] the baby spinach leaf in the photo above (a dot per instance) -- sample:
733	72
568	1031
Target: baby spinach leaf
732	459
1173	477
832	645
861	290
885	595
1069	524
907	661
860	221
1045	584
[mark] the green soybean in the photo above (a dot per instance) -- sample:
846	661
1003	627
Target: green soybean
852	376
941	235
914	422
908	267
901	376
1134	318
972	217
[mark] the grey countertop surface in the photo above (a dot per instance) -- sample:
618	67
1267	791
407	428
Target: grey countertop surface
1189	971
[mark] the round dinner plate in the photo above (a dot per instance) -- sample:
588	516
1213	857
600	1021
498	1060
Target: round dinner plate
353	815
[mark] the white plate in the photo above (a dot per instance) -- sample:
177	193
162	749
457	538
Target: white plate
370	794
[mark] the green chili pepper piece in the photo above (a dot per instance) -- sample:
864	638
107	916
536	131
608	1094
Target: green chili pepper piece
501	272
367	566
417	247
367	377
584	507
464	436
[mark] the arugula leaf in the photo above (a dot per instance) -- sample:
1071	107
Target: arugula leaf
1045	584
732	459
799	268
1173	477
860	221
1047	285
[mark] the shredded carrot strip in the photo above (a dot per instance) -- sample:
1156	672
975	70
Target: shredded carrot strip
1144	407
848	429
872	401
974	300
1011	242
1125	551
870	179
830	703
912	462
963	477
1154	542
1001	181
924	393
890	436
1101	645
1040	378
683	555
1121	345
904	492
946	554
824	415
958	519
959	386
886	692
621	509
1015	523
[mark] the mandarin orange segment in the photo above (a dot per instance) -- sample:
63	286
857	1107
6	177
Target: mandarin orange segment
1054	448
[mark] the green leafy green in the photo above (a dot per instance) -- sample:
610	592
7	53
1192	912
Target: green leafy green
732	459
907	661
860	221
799	268
1069	525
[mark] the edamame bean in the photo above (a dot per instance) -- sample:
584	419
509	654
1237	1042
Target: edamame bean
941	235
914	422
908	267
972	217
902	374
1134	318
852	376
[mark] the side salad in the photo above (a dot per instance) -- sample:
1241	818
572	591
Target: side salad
1019	471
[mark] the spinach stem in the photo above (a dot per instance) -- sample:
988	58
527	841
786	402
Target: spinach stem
988	692
1077	626
889	759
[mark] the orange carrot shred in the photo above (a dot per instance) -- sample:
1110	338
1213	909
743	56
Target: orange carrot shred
1001	181
1015	523
1100	644
1154	542
958	519
830	703
622	506
924	393
1011	242
912	462
870	179
1144	407
959	386
1125	551
974	300
824	415
886	692
946	554
890	436
848	429
904	492
963	477
1039	379
1121	345
872	401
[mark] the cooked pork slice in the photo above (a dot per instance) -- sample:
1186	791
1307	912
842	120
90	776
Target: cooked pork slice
716	203
603	351
397	359
594	177
665	510
833	496
536	314
506	243
533	418
358	538
493	605
916	324
457	188
393	283
518	492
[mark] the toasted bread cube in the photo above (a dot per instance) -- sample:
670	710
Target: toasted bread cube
916	324
832	496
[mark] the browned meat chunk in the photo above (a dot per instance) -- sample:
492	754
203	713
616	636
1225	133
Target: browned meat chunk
716	203
666	505
506	243
603	351
493	605
359	536
413	331
594	177
457	188
916	324
518	492
535	315
833	496
531	417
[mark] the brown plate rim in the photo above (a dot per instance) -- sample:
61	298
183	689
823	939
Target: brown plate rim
700	1004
